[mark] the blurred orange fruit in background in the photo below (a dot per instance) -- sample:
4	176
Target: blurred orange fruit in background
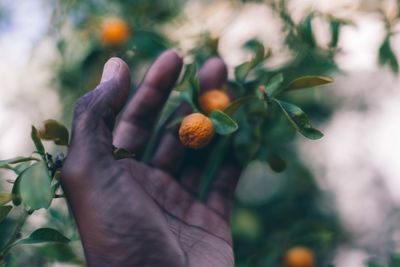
299	257
212	100
114	32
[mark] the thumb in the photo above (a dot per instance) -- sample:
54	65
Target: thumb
114	89
112	68
95	112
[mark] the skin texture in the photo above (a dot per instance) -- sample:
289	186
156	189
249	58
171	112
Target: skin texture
134	214
196	131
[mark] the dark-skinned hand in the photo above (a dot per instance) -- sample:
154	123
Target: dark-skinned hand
134	214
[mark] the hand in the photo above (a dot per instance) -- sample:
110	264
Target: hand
135	214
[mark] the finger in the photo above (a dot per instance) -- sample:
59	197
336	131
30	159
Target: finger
222	190
170	152
213	75
138	120
95	112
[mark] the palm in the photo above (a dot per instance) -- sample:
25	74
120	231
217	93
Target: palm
131	212
202	234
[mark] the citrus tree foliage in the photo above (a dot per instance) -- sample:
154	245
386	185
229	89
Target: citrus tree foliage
272	107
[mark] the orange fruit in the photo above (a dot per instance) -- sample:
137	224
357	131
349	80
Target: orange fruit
196	131
299	257
114	32
212	100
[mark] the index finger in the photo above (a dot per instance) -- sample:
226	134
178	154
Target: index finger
138	120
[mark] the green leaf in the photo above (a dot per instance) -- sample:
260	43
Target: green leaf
335	26
260	55
5	198
258	49
394	260
168	110
44	235
235	105
277	163
5	163
373	263
120	153
223	124
174	122
387	56
54	131
187	77
308	81
195	86
242	71
299	120
306	31
274	85
189	85
35	186
38	144
147	43
18	169
4	211
16	196
189	98
335	31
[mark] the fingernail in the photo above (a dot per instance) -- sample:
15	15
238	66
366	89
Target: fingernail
110	69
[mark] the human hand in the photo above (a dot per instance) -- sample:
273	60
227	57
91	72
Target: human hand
134	214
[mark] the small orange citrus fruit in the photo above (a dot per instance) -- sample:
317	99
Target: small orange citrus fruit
196	131
299	257
212	100
114	32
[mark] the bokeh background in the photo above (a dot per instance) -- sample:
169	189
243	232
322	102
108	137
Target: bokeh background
339	196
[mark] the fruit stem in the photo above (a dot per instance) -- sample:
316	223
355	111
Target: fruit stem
212	166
